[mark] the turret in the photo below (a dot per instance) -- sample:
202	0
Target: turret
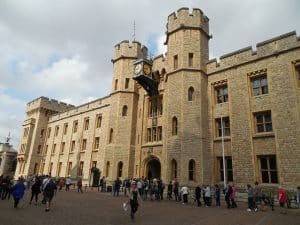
124	56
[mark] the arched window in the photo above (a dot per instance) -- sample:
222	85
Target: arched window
107	168
174	126
192	169
173	169
120	169
111	135
124	110
191	94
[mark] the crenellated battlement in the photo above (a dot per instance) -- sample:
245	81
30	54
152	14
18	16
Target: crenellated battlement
274	46
183	18
131	50
46	103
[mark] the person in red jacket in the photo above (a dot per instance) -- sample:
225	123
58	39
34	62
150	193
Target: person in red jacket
282	198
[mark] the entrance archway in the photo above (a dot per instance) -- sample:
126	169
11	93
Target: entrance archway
153	169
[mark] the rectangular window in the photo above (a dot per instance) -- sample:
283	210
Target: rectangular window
83	148
116	84
86	123
149	137
69	169
62	148
46	150
80	169
221	94
154	134
263	122
191	59
159	133
98	121
65	128
72	146
150	108
53	149
228	171
175	62
42	133
35	169
75	126
48	132
39	149
59	169
126	83
259	85
268	169
50	168
56	131
97	142
226	127
26	131
297	68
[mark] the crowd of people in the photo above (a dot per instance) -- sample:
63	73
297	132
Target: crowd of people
144	189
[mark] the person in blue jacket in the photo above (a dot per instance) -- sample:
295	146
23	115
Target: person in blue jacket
18	191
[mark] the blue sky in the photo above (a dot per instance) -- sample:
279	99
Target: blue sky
62	49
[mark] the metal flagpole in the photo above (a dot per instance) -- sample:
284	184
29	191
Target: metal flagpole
223	151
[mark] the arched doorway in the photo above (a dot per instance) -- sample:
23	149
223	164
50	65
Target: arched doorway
153	169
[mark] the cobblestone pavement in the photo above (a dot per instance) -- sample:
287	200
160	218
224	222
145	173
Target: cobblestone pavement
91	208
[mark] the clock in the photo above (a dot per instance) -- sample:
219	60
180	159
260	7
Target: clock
147	69
137	68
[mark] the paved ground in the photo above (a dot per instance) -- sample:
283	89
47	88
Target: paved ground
94	208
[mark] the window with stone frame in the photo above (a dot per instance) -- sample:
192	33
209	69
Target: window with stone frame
192	169
72	146
42	133
159	133
155	106
26	132
226	127
107	169
59	169
75	126
126	83
191	94
263	122
268	168
65	128
86	123
69	168
53	149
173	169
228	169
124	110
120	169
62	148
56	131
111	136
221	93
46	150
35	169
39	150
48	132
149	135
174	126
297	70
259	85
83	147
97	143
154	134
50	168
175	62
98	120
191	59
80	168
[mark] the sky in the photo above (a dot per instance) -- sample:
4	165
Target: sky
62	49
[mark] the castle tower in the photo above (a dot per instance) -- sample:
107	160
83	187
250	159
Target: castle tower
119	153
186	97
32	140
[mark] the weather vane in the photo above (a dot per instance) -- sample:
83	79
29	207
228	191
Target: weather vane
133	35
8	138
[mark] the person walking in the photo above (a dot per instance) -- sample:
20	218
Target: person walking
227	192
257	196
79	185
176	190
133	199
170	189
35	190
250	193
68	183
282	199
198	195
18	191
185	192
218	195
233	196
49	192
207	195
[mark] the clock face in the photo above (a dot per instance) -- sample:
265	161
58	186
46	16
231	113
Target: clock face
137	68
147	69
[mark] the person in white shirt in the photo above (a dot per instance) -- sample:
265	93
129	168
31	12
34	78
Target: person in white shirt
184	191
207	195
68	183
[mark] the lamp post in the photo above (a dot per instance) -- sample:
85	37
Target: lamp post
223	152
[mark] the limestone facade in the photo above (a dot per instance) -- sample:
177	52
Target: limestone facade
253	95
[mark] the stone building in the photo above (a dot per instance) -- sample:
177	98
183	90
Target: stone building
8	160
249	101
